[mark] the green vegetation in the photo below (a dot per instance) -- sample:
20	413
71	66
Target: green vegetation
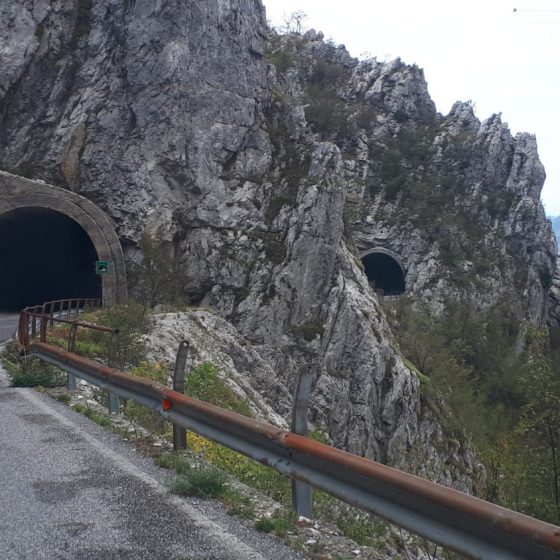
204	482
93	415
278	525
325	110
366	530
237	503
153	422
506	401
173	461
205	384
156	277
130	318
263	478
31	372
281	59
127	348
64	398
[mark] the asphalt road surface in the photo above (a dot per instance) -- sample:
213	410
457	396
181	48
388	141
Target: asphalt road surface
70	490
8	324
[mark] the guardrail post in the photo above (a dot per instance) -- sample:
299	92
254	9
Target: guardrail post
179	433
51	314
114	402
23	329
72	382
33	326
43	329
113	347
302	494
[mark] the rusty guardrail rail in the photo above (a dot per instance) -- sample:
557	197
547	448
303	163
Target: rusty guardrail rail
35	319
457	521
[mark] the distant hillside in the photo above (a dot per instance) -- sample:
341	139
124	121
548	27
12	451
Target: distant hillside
556	226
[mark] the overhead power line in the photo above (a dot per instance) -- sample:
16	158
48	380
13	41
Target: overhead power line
537	11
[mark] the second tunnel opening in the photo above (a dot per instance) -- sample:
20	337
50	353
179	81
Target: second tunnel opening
44	256
385	273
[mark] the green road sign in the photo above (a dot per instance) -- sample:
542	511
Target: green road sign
102	267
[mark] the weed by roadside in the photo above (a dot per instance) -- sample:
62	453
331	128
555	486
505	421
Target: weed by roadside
237	503
277	525
174	462
93	415
198	480
64	398
204	482
31	372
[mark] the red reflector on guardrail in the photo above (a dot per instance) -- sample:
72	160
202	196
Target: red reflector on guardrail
166	404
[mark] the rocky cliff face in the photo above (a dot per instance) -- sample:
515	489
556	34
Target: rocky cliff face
269	180
456	199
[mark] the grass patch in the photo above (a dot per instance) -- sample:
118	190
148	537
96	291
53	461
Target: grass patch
205	384
365	530
64	398
32	372
149	419
421	376
278	525
156	371
237	503
264	479
93	415
173	461
203	482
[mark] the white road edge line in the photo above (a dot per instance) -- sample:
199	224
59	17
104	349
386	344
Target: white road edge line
212	529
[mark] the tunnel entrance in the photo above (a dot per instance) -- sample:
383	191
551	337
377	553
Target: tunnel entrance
44	256
384	272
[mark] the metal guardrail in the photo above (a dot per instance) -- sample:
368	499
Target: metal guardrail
36	319
457	521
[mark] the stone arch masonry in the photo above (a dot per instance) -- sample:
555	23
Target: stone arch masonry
19	192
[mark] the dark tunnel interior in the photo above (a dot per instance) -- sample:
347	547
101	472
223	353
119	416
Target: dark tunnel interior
44	256
385	273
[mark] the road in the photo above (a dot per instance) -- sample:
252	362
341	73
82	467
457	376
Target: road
8	324
70	490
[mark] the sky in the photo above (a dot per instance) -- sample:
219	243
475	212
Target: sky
505	61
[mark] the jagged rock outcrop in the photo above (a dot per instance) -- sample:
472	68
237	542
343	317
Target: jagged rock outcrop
458	200
268	180
554	299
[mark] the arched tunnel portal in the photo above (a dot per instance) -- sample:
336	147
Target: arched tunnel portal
385	271
45	256
50	240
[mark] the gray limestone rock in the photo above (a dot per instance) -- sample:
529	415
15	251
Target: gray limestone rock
269	181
